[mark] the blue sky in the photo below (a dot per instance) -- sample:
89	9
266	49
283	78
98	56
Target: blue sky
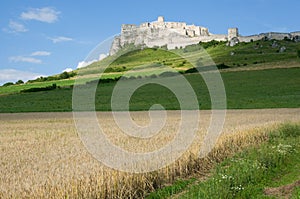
46	37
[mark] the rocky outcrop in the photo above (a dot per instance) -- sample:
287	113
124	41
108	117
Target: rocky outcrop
179	34
161	33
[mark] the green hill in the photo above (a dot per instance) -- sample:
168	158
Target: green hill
262	74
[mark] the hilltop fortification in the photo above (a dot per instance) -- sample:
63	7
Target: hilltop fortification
179	34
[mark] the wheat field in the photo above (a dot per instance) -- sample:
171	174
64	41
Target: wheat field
43	157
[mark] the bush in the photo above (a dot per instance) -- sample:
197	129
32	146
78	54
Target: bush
8	84
206	68
212	43
64	75
298	53
20	82
47	88
222	66
287	39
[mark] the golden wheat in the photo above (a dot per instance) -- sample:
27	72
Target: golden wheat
43	157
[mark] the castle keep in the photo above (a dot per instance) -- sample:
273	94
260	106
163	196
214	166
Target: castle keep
179	34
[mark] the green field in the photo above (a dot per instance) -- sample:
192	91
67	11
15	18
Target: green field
143	62
270	88
265	78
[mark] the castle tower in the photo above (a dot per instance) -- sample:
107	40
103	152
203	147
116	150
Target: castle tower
160	19
232	33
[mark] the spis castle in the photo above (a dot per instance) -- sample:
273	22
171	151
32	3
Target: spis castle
179	34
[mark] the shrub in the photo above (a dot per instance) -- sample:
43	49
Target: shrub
212	43
222	66
64	75
47	88
287	38
206	68
20	82
298	53
8	84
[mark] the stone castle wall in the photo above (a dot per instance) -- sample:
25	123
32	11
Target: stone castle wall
179	34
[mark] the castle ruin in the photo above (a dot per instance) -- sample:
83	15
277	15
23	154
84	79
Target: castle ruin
179	34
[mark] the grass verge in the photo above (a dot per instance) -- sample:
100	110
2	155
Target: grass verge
266	170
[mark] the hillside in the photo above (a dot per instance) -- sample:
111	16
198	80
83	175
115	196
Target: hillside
262	74
251	54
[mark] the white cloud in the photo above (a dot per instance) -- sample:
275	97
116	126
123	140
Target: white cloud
68	70
60	39
15	27
102	56
25	59
86	63
41	53
12	75
46	14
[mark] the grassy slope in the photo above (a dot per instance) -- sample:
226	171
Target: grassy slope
247	174
247	54
245	89
152	61
272	88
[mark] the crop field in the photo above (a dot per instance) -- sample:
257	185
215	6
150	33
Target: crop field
43	157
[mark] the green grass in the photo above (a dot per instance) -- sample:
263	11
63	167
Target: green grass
272	88
45	101
247	174
155	61
4	90
150	58
249	54
177	187
241	55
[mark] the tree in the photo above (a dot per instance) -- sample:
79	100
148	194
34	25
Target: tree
20	82
64	75
8	84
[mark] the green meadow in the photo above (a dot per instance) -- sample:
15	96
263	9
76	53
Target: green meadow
256	75
270	88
